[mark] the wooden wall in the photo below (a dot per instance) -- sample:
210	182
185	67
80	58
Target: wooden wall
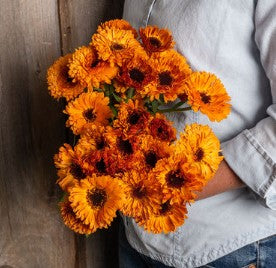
33	34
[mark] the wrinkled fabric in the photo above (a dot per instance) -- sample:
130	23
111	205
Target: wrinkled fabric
236	40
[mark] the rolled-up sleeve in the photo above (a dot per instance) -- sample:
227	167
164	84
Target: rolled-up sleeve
252	153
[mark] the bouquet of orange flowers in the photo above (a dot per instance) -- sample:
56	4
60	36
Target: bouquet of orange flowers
127	157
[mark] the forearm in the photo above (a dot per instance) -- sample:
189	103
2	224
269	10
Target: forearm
224	180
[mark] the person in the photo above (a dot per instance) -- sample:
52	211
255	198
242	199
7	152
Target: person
233	224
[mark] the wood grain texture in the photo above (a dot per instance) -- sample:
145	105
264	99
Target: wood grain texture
31	130
78	21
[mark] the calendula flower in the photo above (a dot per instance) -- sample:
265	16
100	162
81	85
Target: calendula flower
86	68
116	46
207	94
60	84
167	219
95	201
132	118
69	162
202	149
155	39
152	150
178	179
87	110
117	24
162	129
171	70
70	219
137	73
142	194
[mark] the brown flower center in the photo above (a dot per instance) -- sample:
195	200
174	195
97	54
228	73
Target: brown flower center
151	159
136	75
134	117
116	46
66	76
94	63
155	42
139	192
76	171
165	79
125	146
205	98
165	207
199	154
183	97
100	166
89	115
97	197
175	179
100	143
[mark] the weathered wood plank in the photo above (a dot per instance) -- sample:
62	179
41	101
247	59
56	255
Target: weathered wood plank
31	130
78	21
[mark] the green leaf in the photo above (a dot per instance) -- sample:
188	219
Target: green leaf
154	106
130	93
114	110
161	99
116	97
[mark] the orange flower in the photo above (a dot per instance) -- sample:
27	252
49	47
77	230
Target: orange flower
202	149
118	24
70	166
207	94
70	219
171	70
169	217
162	129
142	194
178	179
88	110
136	73
95	201
155	39
132	118
88	70
60	84
116	46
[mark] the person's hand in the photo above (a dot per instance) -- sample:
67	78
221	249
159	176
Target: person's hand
224	180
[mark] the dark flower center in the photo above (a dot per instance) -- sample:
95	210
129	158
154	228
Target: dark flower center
175	179
97	197
89	115
199	154
94	63
134	118
155	42
67	78
136	75
183	97
100	143
165	79
76	171
151	159
125	146
205	98
139	192
100	166
116	46
165	207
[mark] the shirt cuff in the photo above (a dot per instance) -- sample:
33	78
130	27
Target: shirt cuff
248	159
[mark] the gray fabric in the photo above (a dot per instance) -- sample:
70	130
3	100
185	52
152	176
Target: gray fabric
236	40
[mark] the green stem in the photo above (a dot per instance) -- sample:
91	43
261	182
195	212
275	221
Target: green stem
174	110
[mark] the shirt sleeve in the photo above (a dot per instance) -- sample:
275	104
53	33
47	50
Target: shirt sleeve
252	153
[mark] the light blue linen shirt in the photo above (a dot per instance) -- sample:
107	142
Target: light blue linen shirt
236	40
